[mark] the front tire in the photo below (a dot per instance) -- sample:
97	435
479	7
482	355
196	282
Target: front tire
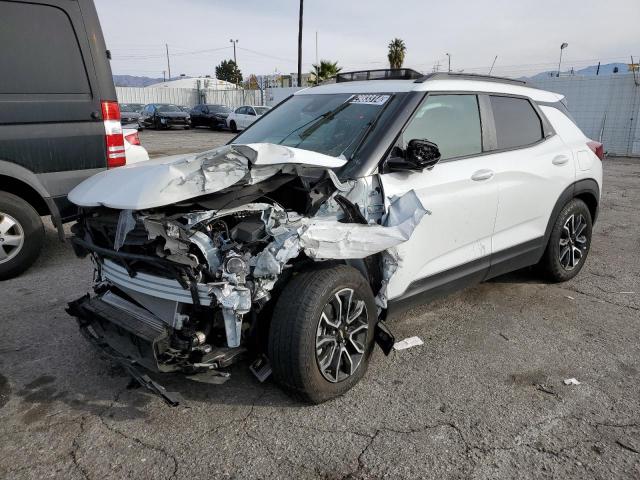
233	126
569	243
321	334
21	235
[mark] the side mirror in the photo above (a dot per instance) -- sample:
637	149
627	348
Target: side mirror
420	154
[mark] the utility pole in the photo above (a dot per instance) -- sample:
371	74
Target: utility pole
494	62
168	63
300	44
235	61
449	57
562	47
234	50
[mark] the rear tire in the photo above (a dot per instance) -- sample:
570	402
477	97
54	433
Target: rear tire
569	243
21	235
311	360
233	126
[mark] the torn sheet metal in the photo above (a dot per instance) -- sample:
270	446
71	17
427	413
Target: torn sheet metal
126	223
168	180
326	238
390	263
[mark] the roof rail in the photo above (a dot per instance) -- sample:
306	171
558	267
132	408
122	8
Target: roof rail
468	76
379	74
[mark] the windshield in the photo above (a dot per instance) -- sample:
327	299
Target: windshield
261	110
167	108
332	124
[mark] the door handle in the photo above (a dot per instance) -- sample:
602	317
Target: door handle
560	160
484	174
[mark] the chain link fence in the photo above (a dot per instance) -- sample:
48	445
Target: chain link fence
605	107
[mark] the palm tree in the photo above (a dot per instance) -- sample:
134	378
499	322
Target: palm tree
324	71
397	50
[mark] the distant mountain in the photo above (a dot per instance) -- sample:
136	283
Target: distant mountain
606	69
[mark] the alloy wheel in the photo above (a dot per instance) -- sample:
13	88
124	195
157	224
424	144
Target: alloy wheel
11	237
573	242
341	337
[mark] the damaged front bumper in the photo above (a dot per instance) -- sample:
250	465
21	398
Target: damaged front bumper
131	334
182	276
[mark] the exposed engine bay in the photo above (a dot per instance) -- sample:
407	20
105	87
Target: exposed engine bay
188	262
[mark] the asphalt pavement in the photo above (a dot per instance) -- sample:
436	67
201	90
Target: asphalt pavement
484	396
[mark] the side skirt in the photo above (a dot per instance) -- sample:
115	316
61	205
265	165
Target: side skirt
444	283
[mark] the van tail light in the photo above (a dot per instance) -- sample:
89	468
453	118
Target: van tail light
133	138
597	148
113	134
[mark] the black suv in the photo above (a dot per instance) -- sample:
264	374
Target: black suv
212	116
59	120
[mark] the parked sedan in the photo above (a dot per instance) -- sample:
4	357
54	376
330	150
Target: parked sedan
129	113
163	115
245	116
212	116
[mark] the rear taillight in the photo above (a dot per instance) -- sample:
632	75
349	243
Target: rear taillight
133	138
113	135
597	148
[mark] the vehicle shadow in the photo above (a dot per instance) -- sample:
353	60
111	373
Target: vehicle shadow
526	275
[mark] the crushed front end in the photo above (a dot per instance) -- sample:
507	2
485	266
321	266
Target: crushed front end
187	265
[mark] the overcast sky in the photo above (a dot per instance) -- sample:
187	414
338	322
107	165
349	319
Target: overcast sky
525	35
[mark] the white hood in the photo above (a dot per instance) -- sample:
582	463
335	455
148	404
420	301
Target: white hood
167	180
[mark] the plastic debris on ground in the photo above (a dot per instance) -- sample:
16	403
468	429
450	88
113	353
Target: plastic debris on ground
408	343
571	381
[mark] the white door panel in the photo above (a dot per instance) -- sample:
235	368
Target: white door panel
530	181
460	225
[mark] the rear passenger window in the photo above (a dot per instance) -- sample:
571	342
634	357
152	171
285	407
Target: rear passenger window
517	123
450	121
40	52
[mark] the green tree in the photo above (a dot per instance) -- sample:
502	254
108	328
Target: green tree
397	51
229	71
324	71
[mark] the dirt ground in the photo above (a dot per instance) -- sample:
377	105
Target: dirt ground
482	398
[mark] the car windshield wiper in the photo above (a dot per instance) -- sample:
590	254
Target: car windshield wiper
318	119
327	117
366	131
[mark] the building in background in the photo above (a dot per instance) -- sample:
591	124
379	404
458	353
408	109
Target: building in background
198	83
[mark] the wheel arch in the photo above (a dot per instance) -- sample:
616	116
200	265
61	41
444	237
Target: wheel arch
23	183
586	190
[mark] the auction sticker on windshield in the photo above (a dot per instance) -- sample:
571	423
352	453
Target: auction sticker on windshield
370	99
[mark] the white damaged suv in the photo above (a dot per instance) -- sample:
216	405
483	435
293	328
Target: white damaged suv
340	207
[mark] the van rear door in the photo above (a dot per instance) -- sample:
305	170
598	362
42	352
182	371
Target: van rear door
55	73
